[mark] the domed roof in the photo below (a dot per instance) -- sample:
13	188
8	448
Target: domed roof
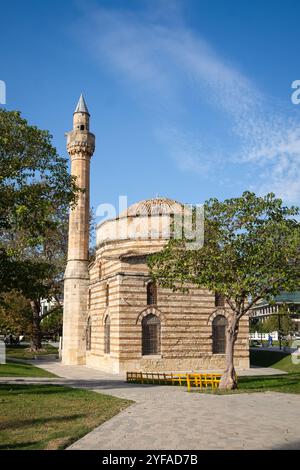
155	206
150	220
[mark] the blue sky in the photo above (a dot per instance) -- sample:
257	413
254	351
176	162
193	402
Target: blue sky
188	99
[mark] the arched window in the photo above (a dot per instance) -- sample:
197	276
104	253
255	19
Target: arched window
107	335
151	293
88	335
100	270
219	334
219	300
107	295
150	335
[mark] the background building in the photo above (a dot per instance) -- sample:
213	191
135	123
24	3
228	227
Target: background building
264	309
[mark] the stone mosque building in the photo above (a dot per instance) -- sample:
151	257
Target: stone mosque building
115	318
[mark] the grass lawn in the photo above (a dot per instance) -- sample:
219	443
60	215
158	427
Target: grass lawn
287	383
21	351
51	416
12	369
278	360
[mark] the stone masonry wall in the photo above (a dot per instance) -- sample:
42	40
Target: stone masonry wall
186	330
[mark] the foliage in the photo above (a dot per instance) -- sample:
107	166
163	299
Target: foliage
15	314
281	322
35	193
52	324
258	326
251	251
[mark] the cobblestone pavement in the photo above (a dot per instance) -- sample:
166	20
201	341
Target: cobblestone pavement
171	418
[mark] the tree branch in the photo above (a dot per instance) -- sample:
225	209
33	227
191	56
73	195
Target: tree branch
52	310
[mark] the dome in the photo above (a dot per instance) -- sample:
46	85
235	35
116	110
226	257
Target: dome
153	207
150	219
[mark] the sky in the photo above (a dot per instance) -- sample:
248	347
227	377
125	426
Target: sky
188	99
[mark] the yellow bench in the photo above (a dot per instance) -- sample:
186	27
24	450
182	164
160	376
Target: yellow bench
201	380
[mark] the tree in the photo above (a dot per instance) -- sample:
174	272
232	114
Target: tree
15	314
52	255
257	325
281	322
35	193
251	251
52	324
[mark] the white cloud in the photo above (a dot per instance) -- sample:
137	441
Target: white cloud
162	58
186	150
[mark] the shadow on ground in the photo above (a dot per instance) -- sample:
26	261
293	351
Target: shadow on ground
30	422
295	445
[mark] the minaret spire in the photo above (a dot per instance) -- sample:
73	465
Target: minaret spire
81	146
81	106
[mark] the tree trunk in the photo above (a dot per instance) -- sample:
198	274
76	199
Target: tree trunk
229	379
36	337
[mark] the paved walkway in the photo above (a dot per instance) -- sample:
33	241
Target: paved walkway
171	418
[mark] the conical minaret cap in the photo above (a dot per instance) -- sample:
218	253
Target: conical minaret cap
81	106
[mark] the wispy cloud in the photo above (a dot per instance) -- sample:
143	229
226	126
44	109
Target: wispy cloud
185	149
164	59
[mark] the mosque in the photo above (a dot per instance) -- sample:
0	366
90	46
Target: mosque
115	318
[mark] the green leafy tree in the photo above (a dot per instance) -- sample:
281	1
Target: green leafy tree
258	326
52	254
15	314
251	251
35	193
52	324
252	326
281	322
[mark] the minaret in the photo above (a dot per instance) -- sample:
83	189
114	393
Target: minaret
80	145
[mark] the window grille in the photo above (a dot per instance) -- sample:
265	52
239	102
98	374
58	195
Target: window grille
107	295
107	335
88	336
150	335
219	334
